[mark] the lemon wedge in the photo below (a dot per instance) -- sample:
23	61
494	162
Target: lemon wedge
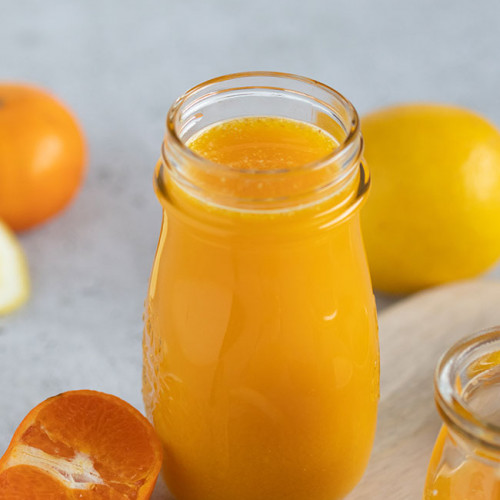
14	277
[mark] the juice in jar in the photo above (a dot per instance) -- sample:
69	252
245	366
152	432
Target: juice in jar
260	347
465	462
460	477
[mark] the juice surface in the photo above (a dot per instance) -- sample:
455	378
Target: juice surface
263	143
260	348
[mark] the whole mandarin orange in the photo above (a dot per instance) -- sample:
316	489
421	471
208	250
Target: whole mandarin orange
42	155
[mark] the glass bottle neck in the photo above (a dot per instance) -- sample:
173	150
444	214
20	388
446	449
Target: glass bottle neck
334	185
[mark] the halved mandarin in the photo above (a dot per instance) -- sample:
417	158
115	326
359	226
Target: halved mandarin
83	445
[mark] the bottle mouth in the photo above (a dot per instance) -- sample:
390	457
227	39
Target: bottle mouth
262	94
465	380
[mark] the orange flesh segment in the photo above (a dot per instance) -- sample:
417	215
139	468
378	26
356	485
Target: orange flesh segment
82	444
24	481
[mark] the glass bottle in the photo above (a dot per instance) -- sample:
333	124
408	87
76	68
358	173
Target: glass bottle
465	463
261	362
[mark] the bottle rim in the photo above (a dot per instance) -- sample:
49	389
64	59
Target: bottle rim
455	366
201	91
292	95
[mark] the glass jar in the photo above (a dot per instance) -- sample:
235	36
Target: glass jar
261	362
465	463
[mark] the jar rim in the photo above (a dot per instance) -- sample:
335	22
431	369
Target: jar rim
337	179
351	135
452	405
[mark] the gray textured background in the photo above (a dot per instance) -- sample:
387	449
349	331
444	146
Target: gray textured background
119	64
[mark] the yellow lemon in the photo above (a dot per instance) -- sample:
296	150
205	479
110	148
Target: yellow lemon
433	215
14	278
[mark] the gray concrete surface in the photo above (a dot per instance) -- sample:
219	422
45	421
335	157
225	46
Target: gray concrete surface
119	65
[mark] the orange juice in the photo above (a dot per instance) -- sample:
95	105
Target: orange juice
260	346
465	478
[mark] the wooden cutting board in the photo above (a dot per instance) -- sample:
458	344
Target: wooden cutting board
413	335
